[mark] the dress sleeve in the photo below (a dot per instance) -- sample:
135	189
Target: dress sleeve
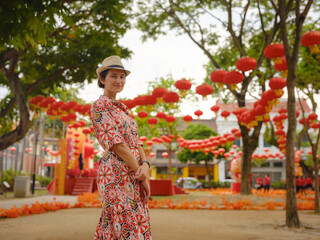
105	127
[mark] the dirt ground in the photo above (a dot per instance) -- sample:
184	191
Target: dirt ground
166	224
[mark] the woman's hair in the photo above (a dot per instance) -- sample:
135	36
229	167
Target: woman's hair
103	75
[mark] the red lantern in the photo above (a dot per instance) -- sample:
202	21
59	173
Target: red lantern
159	92
187	119
13	149
198	113
232	78
170	119
88	150
149	143
225	114
152	121
313	117
204	89
274	51
143	138
142	114
165	155
282	67
183	85
161	115
246	64
215	109
276	84
217	77
152	154
129	103
149	100
171	98
86	130
311	40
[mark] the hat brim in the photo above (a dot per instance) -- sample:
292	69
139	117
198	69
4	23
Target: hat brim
101	69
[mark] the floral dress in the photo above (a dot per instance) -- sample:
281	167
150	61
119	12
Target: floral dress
124	216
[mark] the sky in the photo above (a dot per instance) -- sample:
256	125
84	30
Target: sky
169	54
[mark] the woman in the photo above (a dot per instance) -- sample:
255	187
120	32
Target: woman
122	175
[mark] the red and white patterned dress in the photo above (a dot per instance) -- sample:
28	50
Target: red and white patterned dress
123	216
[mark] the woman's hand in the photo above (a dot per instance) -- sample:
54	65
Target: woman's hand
142	172
145	191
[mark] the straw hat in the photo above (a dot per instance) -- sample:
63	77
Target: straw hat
113	62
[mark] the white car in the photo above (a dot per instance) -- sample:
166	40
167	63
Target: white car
189	183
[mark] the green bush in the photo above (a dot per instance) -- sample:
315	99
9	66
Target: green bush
278	185
215	184
9	176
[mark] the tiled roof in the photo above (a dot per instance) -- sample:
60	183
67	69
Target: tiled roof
283	104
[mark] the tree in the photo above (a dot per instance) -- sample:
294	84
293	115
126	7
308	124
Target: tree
291	54
259	25
197	131
46	45
163	128
184	17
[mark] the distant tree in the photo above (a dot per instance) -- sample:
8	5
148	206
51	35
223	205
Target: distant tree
197	131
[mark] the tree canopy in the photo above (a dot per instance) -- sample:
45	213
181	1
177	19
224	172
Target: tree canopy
46	45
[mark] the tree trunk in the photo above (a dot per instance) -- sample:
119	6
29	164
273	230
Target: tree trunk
247	151
292	218
24	124
208	173
316	184
169	161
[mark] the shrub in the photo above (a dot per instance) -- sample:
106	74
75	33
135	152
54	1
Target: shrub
215	184
278	185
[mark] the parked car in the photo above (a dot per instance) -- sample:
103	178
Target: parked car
189	183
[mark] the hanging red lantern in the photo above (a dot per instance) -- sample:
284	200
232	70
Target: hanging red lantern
161	115
187	119
217	77
204	90
88	149
276	84
149	143
149	101
311	40
313	117
152	121
171	98
183	85
36	100
86	131
170	119
246	64
282	67
282	111
13	149
158	93
274	52
142	114
198	113
143	138
225	114
129	103
215	109
152	154
232	78
165	154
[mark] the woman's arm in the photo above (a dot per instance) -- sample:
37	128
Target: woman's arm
143	170
124	152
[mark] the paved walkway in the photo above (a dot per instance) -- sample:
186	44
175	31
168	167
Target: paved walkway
18	202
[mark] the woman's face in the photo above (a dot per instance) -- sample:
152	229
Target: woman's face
114	81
